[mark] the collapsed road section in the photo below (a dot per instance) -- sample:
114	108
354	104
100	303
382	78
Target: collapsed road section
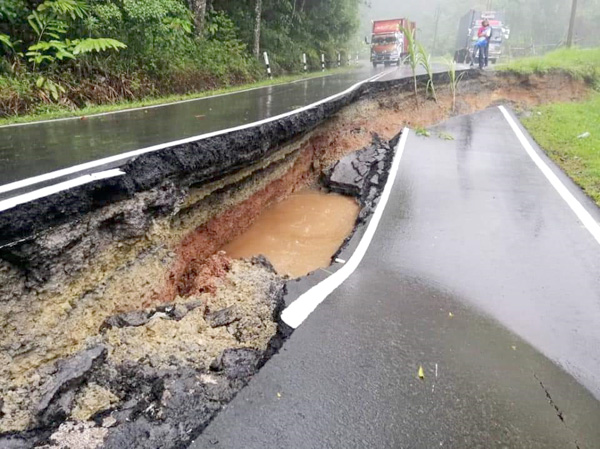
122	323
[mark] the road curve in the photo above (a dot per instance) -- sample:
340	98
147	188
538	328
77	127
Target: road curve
38	148
481	274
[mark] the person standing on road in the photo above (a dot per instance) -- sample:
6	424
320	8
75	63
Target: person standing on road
484	36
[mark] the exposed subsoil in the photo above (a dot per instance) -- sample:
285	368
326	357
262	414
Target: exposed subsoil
127	328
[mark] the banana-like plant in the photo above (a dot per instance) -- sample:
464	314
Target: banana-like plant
454	80
425	61
413	59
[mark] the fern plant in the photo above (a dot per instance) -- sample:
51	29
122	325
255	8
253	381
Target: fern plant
97	45
51	22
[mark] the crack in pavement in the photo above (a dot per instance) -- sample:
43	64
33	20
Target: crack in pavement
559	412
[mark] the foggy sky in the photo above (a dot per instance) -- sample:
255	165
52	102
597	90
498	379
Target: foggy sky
536	22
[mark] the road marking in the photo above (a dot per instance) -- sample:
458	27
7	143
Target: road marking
582	214
112	159
47	191
295	314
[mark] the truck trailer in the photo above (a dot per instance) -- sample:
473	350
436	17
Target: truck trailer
467	35
388	45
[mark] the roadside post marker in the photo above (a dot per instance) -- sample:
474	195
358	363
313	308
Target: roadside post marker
339	59
268	65
323	62
304	61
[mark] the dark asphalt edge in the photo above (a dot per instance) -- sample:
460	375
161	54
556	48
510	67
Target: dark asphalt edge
193	163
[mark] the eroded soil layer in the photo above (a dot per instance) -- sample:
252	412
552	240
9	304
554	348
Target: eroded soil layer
120	323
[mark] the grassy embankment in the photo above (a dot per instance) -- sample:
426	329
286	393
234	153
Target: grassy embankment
58	111
557	127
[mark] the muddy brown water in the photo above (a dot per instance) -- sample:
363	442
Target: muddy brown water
299	234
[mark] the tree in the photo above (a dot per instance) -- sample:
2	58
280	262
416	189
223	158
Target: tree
198	8
572	24
257	19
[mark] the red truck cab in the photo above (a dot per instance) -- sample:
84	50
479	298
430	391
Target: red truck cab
388	45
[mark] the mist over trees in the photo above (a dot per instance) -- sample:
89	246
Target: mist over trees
538	24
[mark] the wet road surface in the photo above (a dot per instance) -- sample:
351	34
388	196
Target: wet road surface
481	274
39	155
36	149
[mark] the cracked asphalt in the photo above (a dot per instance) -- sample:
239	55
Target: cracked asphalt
479	273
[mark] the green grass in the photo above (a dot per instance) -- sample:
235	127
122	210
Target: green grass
54	111
556	128
582	63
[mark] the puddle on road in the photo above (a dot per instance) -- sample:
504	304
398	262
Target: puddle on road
299	234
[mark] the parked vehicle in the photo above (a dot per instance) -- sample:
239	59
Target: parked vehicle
467	35
388	45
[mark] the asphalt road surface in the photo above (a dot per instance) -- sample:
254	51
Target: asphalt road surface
33	155
35	149
481	274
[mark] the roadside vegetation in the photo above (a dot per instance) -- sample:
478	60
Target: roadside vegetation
53	111
570	134
58	55
581	63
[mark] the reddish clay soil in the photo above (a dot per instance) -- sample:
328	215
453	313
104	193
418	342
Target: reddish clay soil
352	129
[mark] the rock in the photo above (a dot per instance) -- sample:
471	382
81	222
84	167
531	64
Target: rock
129	319
362	174
223	317
141	317
264	262
239	363
58	410
108	422
92	400
77	435
58	393
14	442
345	177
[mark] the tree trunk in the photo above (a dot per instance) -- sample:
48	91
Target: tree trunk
572	24
198	8
258	15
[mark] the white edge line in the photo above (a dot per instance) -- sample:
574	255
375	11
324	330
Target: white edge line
295	314
582	214
154	106
108	160
47	191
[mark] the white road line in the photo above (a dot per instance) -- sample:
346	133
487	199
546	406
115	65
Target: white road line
47	191
582	214
154	106
112	159
299	310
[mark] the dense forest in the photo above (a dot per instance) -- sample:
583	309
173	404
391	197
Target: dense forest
79	52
